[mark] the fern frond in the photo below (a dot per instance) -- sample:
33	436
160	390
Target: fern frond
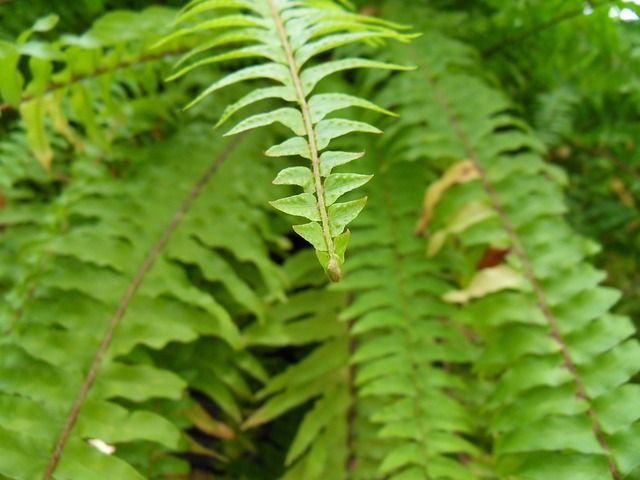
94	77
409	356
70	284
284	35
555	391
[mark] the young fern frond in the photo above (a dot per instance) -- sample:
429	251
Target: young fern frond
283	36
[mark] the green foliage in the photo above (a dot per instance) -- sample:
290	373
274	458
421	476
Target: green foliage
160	319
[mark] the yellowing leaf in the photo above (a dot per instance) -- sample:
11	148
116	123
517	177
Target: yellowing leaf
467	216
486	281
206	423
462	172
623	194
33	113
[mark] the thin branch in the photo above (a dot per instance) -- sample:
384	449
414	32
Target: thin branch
519	250
606	154
333	269
124	303
532	31
353	394
4	107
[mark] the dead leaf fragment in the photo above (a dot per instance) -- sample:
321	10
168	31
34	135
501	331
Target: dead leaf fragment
486	281
462	172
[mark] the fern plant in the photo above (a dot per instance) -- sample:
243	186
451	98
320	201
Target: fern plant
161	320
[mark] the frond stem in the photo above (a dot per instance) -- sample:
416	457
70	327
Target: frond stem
604	153
311	135
528	273
96	73
124	303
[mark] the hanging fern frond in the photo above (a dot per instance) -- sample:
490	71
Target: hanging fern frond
285	35
537	312
69	285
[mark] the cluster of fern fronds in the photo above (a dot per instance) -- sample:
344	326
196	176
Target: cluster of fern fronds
161	319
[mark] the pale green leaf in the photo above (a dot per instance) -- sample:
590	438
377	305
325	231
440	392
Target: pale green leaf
612	410
228	21
407	454
304	53
300	176
236	36
340	214
293	146
264	51
341	242
302	205
45	24
557	466
330	160
289	117
486	281
338	184
552	434
114	424
312	233
332	128
285	93
205	6
311	76
276	72
322	104
136	382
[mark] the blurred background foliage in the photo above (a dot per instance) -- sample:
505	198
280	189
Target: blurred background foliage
571	67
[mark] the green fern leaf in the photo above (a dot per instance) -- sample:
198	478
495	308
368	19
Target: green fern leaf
298	32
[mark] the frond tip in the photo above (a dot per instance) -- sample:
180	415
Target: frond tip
285	36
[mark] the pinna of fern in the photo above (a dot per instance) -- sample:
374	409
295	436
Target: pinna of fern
282	36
